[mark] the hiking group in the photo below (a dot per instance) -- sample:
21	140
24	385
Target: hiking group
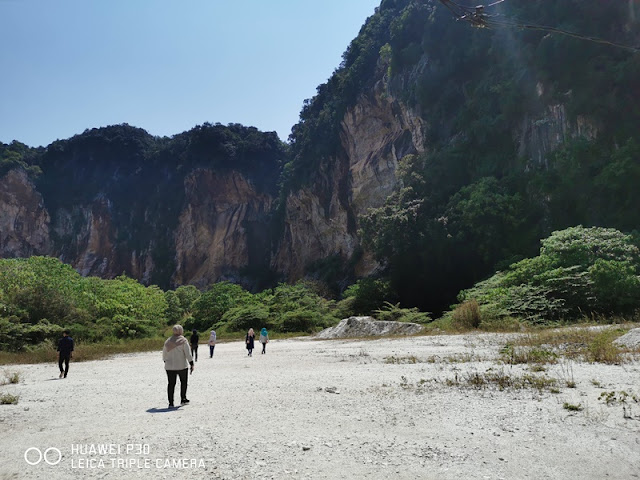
250	340
179	356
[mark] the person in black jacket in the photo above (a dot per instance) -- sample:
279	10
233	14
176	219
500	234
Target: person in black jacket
65	352
250	341
195	338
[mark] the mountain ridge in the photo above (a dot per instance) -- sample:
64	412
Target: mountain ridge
434	154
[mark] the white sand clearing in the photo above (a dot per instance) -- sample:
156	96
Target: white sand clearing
335	409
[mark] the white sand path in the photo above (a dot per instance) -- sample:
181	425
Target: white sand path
270	416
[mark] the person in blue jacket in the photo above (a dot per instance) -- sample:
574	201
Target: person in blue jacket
264	339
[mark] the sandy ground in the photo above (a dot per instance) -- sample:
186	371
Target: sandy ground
274	416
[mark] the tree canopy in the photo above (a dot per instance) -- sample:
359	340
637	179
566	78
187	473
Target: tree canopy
579	271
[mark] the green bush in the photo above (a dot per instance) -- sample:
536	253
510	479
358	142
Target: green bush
394	313
41	296
243	318
209	308
301	320
368	295
9	399
616	285
16	336
580	271
127	327
345	308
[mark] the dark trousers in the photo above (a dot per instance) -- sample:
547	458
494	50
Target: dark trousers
171	375
211	347
65	359
194	352
264	347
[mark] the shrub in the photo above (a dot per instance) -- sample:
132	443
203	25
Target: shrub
394	313
467	315
8	399
15	336
301	320
579	271
209	308
571	407
11	378
602	349
369	295
124	326
246	317
345	308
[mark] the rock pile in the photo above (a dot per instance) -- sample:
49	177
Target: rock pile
631	339
367	327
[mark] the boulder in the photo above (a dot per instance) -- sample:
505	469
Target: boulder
630	340
367	327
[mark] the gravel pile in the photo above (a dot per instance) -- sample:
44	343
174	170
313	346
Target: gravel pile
368	327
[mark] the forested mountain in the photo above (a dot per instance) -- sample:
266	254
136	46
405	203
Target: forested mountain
193	208
514	132
436	154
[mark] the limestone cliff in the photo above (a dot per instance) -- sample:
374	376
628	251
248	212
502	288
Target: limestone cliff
191	209
199	207
85	238
24	221
222	228
216	235
321	219
542	135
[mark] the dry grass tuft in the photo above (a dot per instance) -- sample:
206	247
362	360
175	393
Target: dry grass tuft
401	360
8	399
11	378
586	344
466	316
513	355
503	381
571	407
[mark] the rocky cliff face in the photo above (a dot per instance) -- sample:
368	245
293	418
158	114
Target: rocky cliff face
191	209
540	136
198	207
86	234
221	229
321	219
216	235
24	221
221	226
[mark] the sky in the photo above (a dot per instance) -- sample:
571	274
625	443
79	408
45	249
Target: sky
165	65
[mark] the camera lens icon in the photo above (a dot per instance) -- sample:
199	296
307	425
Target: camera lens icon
51	456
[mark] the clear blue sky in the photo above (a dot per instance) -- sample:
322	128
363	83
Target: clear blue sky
165	65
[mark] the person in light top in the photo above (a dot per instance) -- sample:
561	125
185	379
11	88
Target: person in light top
212	342
264	339
177	358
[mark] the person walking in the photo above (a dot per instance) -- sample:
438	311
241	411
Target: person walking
177	358
195	338
65	352
250	341
264	339
212	343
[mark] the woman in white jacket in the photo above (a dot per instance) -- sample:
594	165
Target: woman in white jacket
177	358
212	343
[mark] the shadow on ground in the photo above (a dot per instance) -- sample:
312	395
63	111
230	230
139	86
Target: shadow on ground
163	410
